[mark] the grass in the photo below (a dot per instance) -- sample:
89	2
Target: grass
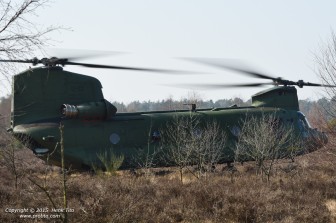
303	191
110	162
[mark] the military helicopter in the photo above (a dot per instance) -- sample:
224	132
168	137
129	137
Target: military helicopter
44	97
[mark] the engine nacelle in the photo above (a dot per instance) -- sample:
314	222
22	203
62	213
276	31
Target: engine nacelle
91	110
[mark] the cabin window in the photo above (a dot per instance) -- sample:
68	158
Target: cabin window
291	120
197	133
114	138
156	136
281	93
235	130
277	123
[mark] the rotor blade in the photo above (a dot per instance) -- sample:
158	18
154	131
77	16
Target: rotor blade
221	64
220	86
65	61
79	54
317	85
17	61
127	68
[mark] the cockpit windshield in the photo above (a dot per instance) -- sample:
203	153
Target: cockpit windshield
303	123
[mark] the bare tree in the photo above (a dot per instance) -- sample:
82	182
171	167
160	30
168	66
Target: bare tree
149	156
326	69
318	118
187	141
8	157
265	140
208	145
44	185
20	37
176	141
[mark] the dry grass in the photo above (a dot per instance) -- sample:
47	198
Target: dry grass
304	191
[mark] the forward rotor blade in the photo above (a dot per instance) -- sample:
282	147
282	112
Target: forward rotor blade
221	64
250	73
220	86
317	85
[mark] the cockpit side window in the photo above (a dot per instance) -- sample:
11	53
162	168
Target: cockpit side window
303	124
302	128
304	120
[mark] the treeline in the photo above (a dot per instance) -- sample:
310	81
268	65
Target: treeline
171	104
5	109
308	107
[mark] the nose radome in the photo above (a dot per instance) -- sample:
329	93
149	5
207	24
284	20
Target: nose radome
320	139
315	140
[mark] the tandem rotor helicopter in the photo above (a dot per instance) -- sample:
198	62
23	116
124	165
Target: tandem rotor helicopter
43	97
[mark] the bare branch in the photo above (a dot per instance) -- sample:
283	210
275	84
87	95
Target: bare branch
19	37
326	69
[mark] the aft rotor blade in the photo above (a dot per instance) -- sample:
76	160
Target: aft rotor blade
65	61
80	54
126	68
17	61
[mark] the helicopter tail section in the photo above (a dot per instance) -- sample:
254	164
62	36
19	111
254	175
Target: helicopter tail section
284	97
38	94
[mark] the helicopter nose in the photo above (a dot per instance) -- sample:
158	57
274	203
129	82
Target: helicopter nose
321	138
317	139
324	138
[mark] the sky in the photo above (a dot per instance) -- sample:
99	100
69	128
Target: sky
278	38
